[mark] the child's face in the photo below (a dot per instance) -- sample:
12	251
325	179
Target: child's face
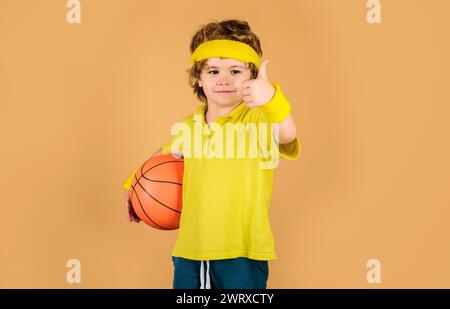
221	79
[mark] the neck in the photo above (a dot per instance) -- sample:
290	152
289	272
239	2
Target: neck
213	111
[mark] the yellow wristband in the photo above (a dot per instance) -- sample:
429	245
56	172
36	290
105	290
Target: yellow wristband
278	108
127	183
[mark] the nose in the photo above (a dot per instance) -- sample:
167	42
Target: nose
223	80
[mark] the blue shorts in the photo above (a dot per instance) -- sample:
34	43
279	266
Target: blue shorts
238	273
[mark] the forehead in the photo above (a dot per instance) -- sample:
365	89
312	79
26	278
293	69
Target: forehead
224	62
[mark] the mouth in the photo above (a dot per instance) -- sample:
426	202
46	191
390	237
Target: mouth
223	91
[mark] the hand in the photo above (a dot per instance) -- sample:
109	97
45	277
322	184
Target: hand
129	211
258	91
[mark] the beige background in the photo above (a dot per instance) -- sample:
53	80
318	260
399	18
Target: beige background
83	104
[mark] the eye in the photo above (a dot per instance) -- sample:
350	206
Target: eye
237	71
212	71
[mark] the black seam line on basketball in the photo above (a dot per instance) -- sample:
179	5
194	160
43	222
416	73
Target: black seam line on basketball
142	174
140	204
142	166
158	200
164	181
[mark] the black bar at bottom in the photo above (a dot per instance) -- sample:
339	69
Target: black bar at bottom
207	298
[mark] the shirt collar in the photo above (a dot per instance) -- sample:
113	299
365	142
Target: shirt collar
233	115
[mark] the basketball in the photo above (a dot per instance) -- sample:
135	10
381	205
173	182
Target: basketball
156	192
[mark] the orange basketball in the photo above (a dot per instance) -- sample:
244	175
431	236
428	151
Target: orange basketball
156	192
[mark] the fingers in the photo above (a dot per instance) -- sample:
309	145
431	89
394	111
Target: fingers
177	155
129	211
128	215
246	91
127	205
246	84
134	219
262	72
132	216
247	99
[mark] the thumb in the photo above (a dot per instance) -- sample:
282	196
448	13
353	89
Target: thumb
262	72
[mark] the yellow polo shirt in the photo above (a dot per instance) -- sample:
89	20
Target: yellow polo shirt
226	199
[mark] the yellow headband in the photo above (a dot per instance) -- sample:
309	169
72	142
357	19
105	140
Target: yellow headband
226	49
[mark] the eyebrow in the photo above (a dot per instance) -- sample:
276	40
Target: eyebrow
233	66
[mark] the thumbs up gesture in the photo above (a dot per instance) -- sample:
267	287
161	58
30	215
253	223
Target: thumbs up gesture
258	91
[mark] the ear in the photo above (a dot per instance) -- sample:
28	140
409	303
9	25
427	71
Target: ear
199	83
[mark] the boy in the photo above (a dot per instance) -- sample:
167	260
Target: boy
225	240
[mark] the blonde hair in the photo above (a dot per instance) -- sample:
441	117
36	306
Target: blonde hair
232	29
